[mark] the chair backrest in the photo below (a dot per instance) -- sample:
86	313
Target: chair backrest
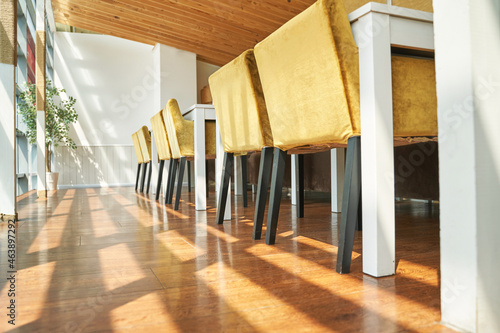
309	70
352	5
310	77
425	5
161	137
414	99
137	148
145	142
240	106
180	131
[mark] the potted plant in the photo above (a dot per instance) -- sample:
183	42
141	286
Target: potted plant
59	114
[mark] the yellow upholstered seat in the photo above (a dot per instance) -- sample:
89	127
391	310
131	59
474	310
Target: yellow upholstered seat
425	5
181	133
138	154
137	148
142	144
244	126
311	82
161	137
310	77
145	142
414	99
240	106
163	147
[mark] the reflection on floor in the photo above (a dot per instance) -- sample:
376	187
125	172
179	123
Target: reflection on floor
112	260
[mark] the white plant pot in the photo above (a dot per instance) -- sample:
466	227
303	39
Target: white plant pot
51	179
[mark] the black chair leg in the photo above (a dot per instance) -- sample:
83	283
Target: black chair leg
189	175
160	176
266	162
143	180
244	179
179	183
149	177
350	202
299	181
169	180
359	225
224	186
138	175
170	191
275	195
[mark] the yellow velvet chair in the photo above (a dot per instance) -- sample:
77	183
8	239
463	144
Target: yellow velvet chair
243	124
181	138
164	154
138	154
310	77
145	142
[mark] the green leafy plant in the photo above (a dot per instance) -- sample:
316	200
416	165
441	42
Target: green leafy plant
59	114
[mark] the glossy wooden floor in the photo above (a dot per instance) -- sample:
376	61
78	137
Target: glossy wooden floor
96	260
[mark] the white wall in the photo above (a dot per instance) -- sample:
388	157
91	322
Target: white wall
467	39
114	81
176	73
203	72
175	76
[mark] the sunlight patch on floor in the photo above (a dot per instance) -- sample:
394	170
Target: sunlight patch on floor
241	294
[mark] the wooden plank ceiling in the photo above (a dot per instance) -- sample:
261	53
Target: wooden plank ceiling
216	30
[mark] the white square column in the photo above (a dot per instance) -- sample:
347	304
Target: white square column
174	73
8	59
467	39
40	152
8	176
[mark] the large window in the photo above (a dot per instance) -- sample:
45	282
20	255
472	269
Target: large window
26	67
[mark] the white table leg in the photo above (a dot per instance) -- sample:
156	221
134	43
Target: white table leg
199	160
218	172
372	34
337	158
154	164
294	179
238	185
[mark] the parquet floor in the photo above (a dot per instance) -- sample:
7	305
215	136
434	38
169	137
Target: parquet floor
101	260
